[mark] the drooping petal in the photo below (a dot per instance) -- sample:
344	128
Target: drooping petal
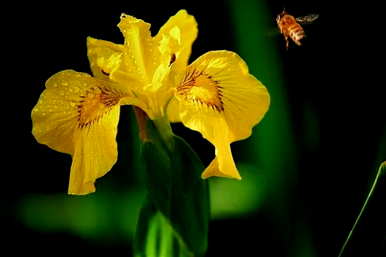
223	164
220	99
78	114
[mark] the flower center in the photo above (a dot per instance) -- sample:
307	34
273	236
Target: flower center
198	87
96	102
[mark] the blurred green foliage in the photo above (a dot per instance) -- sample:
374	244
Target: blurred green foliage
96	216
235	198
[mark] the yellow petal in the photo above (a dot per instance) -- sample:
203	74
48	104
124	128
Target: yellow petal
106	62
173	110
176	37
223	165
104	57
78	115
174	41
141	56
95	152
220	99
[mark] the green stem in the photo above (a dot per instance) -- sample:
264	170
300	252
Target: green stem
162	125
363	208
165	130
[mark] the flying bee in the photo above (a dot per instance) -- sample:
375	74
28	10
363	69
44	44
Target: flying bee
290	26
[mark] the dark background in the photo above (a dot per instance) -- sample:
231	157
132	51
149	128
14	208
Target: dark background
338	71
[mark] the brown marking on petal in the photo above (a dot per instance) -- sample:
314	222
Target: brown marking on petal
200	88
105	73
172	59
94	104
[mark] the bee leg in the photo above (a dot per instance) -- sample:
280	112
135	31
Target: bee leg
286	42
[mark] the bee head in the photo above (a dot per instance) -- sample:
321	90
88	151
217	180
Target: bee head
280	15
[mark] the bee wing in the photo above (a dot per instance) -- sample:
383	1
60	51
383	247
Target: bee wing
307	19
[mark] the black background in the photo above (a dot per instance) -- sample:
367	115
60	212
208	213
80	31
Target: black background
343	58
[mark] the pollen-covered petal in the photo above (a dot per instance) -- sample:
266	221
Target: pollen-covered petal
141	56
78	114
220	99
176	37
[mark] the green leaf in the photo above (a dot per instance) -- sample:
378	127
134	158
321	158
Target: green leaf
176	189
190	197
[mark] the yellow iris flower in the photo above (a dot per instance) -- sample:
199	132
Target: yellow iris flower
215	95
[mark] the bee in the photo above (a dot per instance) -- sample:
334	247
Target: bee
290	26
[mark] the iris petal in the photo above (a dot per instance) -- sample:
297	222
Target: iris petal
221	100
176	37
139	57
78	114
104	57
